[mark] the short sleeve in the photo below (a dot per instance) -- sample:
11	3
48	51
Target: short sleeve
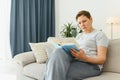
102	40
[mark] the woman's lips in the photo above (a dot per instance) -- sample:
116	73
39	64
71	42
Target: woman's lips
84	28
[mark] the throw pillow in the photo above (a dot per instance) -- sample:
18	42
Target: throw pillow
39	51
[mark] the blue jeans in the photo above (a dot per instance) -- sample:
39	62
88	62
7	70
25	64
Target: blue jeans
61	66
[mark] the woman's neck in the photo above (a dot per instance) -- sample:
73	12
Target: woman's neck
89	31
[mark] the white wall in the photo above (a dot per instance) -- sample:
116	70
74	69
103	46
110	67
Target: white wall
100	10
4	28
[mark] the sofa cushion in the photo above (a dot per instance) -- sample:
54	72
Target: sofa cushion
112	64
105	76
39	51
35	70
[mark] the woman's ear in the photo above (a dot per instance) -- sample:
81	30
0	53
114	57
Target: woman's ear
91	19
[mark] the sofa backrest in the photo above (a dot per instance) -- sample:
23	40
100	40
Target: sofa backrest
113	57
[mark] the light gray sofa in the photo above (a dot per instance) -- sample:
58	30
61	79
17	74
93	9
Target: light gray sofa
28	69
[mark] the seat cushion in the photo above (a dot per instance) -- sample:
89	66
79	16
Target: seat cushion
106	76
35	70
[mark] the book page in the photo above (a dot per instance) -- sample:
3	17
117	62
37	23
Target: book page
73	41
57	41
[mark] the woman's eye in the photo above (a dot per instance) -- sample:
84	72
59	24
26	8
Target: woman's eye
84	21
78	24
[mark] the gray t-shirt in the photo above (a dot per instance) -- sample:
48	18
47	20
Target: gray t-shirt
89	42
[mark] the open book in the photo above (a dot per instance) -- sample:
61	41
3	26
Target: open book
66	47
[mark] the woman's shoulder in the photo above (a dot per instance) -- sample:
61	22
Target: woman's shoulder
101	35
99	32
102	39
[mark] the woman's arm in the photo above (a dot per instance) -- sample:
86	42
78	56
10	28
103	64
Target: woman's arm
99	59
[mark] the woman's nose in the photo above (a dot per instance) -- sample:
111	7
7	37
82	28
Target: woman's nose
82	24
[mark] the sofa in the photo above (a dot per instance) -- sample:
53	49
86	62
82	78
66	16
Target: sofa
29	69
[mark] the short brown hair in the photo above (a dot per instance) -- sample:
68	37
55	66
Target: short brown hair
83	12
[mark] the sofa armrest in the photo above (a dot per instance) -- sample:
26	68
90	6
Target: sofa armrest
24	58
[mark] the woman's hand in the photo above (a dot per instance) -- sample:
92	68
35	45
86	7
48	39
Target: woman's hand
100	58
79	54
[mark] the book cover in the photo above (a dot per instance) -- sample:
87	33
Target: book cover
67	48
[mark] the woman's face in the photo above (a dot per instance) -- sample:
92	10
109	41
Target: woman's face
85	23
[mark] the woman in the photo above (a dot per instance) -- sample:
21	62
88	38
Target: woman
88	60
